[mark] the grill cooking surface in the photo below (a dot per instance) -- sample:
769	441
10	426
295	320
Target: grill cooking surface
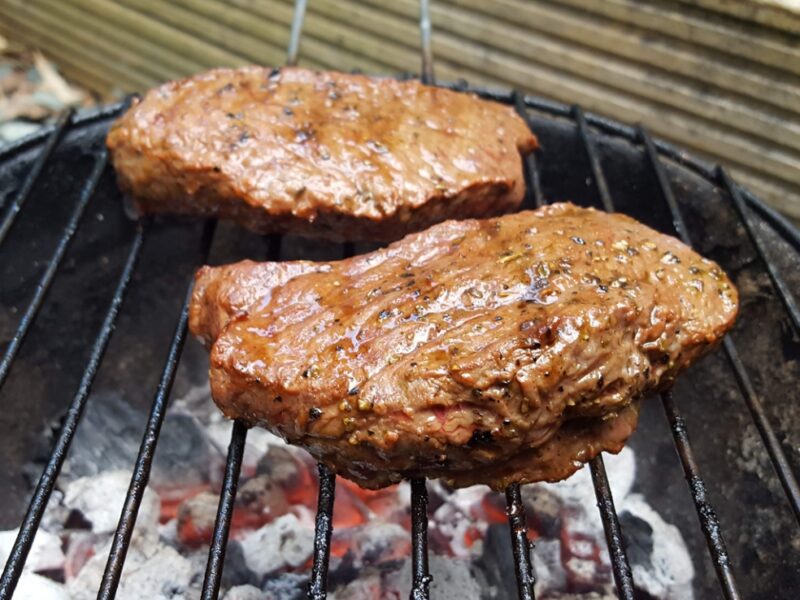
74	268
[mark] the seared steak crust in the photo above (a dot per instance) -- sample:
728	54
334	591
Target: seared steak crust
319	154
493	351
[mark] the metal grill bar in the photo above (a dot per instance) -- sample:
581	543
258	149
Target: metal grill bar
709	522
605	501
38	503
318	586
533	180
784	294
222	524
705	511
771	440
779	460
420	589
296	32
144	460
43	286
616	545
594	159
22	196
520	546
425	42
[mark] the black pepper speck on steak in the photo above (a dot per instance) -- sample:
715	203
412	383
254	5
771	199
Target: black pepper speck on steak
489	351
332	155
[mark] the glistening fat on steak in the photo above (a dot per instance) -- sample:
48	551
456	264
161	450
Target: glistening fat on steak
479	351
319	154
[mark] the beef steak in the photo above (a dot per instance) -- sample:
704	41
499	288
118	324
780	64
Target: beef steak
340	156
489	351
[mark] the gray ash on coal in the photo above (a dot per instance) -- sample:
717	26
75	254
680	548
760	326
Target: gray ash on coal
270	550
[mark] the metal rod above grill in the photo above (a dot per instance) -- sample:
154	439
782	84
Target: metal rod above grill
520	546
46	280
44	489
318	587
147	449
222	523
22	195
705	511
420	589
781	287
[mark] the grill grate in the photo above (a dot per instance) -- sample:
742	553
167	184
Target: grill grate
521	547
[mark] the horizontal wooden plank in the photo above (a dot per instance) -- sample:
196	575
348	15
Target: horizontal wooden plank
778	14
754	118
745	41
22	21
652	50
614	57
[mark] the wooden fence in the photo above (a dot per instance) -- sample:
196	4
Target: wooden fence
720	77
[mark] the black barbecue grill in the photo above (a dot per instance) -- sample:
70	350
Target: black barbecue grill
675	181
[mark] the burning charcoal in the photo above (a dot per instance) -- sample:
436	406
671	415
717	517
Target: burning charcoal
235	571
99	499
282	465
373	543
543	508
153	570
185	456
80	549
453	579
367	587
196	517
260	500
244	592
286	543
550	573
461	520
110	435
286	586
107	439
496	561
583	554
657	553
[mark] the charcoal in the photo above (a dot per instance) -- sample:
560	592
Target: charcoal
284	543
99	500
286	586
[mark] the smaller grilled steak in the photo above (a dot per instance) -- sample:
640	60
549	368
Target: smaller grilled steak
481	351
319	154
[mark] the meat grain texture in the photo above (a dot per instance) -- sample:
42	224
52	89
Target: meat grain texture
332	155
489	351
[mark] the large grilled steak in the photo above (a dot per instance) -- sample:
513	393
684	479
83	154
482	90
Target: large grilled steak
479	351
333	155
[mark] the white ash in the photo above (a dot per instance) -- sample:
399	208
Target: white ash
549	571
453	579
370	542
663	568
36	587
45	553
99	499
455	516
670	570
245	592
152	570
287	542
